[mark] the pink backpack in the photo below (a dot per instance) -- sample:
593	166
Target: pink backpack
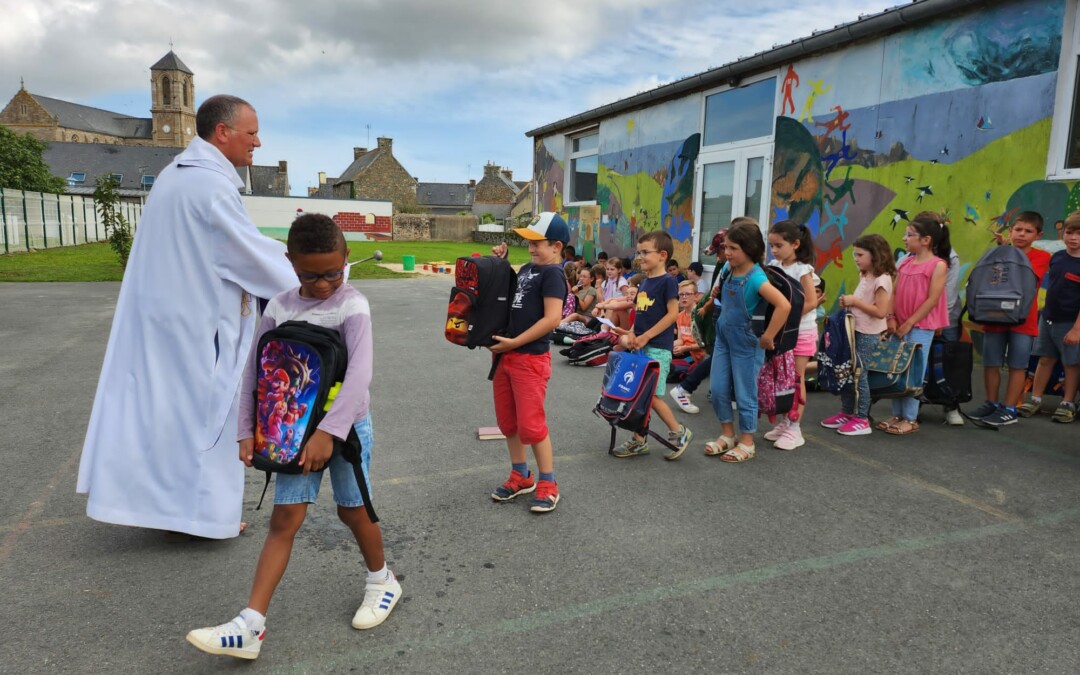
778	387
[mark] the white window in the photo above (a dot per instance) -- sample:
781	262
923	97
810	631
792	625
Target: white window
117	177
1063	161
146	182
76	178
583	168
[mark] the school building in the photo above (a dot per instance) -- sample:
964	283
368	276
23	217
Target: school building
965	108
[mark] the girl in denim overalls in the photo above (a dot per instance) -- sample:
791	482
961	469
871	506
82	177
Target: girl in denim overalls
738	353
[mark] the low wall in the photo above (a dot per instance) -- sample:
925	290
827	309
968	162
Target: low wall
425	227
511	238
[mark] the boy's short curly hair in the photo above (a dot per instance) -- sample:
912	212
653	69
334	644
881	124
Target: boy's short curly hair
315	233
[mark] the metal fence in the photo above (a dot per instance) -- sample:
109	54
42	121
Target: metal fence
34	220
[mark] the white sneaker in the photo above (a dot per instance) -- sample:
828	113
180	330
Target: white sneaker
683	399
777	431
229	639
379	601
791	438
953	418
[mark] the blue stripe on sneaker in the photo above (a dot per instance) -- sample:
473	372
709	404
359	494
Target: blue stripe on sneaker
223	641
239	641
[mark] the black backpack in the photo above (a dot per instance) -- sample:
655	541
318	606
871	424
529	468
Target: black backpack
1001	287
948	373
792	290
300	370
480	301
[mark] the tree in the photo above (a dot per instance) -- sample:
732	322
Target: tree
22	166
117	228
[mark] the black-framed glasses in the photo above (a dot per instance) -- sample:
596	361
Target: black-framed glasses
642	254
312	278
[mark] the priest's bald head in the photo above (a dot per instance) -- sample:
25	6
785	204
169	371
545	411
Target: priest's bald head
229	124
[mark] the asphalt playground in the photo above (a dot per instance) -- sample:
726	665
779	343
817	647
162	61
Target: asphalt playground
954	550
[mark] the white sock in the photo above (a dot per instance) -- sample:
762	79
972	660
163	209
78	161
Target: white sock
379	576
254	620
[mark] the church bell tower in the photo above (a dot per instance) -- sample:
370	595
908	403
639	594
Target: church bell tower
172	90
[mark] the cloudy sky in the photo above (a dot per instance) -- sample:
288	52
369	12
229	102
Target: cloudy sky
455	84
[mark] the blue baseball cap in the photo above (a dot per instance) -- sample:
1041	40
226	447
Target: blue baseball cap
547	225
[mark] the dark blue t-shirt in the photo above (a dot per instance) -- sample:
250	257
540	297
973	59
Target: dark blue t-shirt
1062	288
534	283
652	302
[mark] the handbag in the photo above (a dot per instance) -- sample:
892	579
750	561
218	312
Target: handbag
895	369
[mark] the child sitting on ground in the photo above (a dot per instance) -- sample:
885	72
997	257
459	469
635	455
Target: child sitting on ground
619	309
319	255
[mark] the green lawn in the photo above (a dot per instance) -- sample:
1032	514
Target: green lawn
97	262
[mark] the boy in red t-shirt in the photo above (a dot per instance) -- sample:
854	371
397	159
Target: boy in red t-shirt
1011	345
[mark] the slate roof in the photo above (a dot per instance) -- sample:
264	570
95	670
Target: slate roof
171	62
359	164
444	194
98	159
95	120
264	181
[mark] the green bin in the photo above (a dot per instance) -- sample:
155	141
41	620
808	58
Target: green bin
408	263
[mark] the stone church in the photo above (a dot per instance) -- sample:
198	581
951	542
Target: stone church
171	123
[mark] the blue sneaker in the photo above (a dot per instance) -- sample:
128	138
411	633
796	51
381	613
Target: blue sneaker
546	497
1002	416
986	409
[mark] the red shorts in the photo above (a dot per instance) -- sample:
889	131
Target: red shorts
520	386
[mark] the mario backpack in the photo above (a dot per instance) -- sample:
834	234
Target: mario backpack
300	370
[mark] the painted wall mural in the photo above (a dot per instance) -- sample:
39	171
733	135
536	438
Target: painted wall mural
954	118
645	180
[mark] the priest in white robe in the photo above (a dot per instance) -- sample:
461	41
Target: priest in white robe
160	450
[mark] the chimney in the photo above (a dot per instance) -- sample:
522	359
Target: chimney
282	166
386	143
472	182
509	175
322	178
356	152
491	170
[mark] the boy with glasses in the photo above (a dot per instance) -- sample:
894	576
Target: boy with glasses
656	310
317	250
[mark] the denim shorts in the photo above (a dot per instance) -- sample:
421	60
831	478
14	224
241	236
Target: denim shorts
1051	342
1016	345
664	357
297	488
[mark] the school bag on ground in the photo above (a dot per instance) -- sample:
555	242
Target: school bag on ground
591	350
948	373
484	287
626	395
895	369
1001	287
837	357
300	370
778	387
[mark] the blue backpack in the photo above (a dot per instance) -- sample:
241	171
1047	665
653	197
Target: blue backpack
626	395
838	361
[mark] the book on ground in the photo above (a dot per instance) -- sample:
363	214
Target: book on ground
489	434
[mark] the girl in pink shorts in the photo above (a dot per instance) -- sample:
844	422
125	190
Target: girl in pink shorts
793	252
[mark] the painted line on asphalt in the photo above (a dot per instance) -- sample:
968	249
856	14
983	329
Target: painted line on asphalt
661	594
1038	449
916	481
36	507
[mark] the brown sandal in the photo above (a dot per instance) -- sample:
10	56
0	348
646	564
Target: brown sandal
885	424
899	428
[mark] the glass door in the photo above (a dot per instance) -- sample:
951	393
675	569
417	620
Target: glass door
731	183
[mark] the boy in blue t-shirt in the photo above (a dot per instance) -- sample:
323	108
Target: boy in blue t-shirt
521	378
1059	326
657	309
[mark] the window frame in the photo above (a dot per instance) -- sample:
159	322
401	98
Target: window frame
568	179
1066	98
73	181
118	177
756	140
146	181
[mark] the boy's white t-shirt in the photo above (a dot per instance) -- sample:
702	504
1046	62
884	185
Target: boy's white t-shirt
797	271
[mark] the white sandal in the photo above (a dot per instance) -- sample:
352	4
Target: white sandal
714	449
740	453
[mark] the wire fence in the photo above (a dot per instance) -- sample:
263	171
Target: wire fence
35	220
